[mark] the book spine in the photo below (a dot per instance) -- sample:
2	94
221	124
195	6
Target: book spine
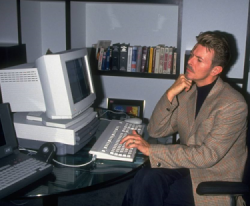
170	61
174	61
115	57
108	59
100	58
130	50
151	51
153	63
165	65
161	61
143	60
104	61
134	58
123	57
138	60
147	60
157	59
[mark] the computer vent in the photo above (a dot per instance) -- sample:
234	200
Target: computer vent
27	76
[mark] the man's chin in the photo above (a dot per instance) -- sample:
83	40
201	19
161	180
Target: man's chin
187	76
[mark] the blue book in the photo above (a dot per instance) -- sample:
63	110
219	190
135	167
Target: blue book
108	59
134	59
104	61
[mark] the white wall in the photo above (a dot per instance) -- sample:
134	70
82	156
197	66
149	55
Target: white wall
8	22
137	24
78	24
53	26
43	27
31	29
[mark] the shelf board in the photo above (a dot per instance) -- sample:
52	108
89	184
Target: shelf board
136	74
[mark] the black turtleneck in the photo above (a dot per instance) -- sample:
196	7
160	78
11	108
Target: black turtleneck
202	93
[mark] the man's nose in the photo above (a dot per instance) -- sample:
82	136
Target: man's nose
190	60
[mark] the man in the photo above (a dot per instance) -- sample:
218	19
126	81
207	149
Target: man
210	117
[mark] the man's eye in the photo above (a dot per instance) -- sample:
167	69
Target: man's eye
199	60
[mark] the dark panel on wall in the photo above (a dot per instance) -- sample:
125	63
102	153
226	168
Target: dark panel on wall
12	54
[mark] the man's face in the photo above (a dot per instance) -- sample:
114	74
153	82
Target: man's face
199	66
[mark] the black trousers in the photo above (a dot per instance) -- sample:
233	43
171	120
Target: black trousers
160	187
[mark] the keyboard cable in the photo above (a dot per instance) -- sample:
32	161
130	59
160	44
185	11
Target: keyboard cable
60	163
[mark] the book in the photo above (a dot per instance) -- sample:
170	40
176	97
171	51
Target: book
100	58
104	61
157	59
123	57
108	58
130	51
147	60
102	44
134	58
161	60
143	58
138	60
153	62
170	61
165	64
150	59
174	61
116	56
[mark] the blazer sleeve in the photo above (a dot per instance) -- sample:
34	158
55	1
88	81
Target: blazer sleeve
227	126
163	121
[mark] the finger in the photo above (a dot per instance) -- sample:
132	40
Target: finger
130	143
128	137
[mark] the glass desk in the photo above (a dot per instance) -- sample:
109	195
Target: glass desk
69	180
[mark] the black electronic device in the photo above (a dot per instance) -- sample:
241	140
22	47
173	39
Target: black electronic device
17	169
46	152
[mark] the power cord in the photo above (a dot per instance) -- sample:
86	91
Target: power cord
82	165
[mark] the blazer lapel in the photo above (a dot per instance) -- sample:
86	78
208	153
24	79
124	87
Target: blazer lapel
191	105
206	106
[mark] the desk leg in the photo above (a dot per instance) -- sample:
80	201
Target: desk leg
50	201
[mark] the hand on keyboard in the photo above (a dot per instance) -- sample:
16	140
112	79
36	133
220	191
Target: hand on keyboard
108	145
134	140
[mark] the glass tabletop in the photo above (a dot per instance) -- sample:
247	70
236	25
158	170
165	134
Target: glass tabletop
71	180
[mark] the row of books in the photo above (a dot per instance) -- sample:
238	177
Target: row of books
158	59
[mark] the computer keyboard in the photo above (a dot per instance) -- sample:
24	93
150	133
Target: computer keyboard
20	173
108	144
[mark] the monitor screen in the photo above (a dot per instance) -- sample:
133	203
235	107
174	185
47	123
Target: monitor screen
79	83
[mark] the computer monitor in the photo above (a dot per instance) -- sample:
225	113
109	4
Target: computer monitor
66	83
59	84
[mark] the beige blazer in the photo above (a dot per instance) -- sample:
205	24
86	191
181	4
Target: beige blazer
212	146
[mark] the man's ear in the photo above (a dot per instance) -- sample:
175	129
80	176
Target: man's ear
216	70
